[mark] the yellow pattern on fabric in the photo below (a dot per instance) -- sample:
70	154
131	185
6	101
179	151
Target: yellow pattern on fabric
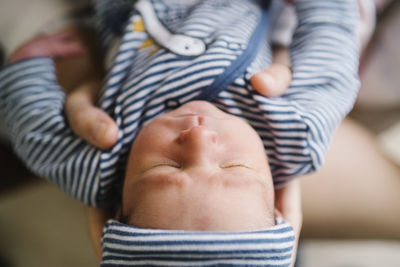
149	42
138	26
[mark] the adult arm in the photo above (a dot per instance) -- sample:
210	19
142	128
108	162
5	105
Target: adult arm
363	200
82	77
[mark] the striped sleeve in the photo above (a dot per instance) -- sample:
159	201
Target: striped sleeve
325	64
31	104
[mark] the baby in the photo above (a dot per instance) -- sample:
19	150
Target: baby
188	165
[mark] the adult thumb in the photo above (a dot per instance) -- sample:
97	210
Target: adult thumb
88	121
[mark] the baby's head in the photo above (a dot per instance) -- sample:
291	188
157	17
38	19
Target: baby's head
198	168
198	192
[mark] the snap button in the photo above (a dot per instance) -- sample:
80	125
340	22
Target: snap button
172	103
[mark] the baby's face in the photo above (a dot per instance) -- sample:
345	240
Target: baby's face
198	168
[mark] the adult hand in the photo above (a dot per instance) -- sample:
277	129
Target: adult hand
57	45
79	76
88	121
288	204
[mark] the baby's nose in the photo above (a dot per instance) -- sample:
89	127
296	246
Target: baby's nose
198	136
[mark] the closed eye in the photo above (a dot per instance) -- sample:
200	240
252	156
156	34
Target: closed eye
235	165
161	165
166	165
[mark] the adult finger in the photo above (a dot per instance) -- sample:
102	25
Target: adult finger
273	81
63	49
67	34
88	121
96	219
48	46
288	203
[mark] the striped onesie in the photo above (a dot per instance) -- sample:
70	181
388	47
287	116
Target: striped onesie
208	51
213	48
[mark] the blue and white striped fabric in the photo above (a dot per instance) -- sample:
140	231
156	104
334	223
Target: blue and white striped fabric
129	246
147	80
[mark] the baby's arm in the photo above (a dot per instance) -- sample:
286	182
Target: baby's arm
31	103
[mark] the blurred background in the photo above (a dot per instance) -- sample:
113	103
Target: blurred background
351	208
